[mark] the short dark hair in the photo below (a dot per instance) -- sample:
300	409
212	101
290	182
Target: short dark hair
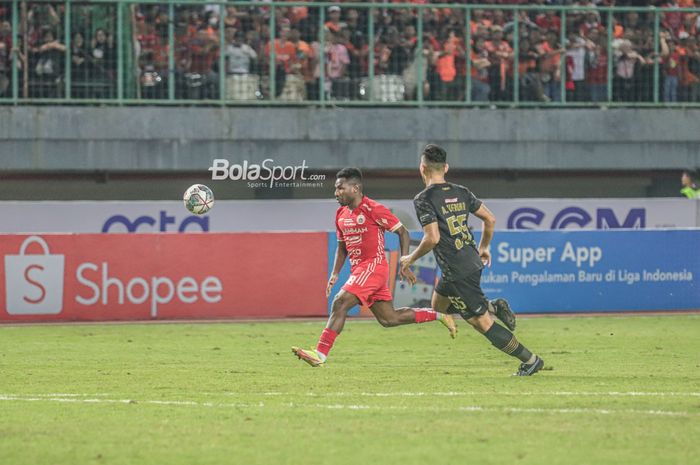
434	157
351	174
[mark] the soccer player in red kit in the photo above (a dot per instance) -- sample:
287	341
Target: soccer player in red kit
360	224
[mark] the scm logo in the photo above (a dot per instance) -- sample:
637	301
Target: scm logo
571	217
147	223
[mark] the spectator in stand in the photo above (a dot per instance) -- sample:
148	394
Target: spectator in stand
284	52
239	58
548	62
355	67
689	85
103	59
313	74
48	69
530	82
298	70
201	80
626	61
671	59
480	72
581	52
80	67
597	76
337	61
239	55
333	24
448	86
501	58
395	54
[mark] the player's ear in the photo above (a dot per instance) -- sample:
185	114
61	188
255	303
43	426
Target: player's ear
447	167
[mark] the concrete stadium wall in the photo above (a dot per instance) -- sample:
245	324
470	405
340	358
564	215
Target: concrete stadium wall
149	139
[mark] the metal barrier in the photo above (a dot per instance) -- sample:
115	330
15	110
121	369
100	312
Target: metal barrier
219	53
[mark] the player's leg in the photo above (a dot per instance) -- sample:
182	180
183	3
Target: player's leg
381	304
389	317
504	340
342	303
468	299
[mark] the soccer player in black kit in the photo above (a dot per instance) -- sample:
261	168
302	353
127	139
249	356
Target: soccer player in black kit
442	210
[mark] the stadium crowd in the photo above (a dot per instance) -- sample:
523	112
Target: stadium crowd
543	61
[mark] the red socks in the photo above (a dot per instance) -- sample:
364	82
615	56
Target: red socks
326	341
424	315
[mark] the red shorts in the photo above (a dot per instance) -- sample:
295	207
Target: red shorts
369	283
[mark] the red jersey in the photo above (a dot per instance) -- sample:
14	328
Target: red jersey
362	230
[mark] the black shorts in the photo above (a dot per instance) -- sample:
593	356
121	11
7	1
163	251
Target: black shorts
465	294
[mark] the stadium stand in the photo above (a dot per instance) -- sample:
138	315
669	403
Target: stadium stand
545	53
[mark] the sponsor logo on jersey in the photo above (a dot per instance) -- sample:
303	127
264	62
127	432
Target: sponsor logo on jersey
355	230
452	200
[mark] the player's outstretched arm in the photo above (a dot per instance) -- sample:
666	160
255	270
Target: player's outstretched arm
485	215
431	237
341	254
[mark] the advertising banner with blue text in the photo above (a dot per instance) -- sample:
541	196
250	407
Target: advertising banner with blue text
570	271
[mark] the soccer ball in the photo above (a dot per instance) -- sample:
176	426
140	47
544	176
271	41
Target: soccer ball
198	199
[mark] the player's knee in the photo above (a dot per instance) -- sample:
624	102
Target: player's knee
340	304
481	323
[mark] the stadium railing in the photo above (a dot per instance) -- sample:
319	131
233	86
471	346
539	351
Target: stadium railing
192	52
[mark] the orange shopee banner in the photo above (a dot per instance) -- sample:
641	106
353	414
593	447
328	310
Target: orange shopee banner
96	277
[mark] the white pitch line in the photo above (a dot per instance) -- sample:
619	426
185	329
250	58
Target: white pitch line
475	393
75	400
468	408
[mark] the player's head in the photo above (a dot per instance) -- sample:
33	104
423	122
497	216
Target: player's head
433	162
348	185
688	178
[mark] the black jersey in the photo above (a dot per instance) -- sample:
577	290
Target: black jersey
450	204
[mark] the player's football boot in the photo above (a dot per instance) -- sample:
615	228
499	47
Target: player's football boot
450	324
504	313
529	370
310	356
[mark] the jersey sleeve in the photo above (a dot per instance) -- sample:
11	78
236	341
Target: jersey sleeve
384	218
338	231
424	211
474	203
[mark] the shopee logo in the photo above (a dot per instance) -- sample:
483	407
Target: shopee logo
34	283
137	290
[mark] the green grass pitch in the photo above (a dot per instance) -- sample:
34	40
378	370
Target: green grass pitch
618	390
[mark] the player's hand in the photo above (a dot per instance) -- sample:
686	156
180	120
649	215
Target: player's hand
331	282
485	255
408	276
405	269
405	262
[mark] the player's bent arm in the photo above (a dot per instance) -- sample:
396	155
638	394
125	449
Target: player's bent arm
431	237
485	215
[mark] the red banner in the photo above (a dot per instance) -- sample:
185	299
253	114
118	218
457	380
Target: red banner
162	276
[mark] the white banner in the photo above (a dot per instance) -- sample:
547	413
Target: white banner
318	215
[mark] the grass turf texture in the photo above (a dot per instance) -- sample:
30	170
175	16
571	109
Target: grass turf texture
618	390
